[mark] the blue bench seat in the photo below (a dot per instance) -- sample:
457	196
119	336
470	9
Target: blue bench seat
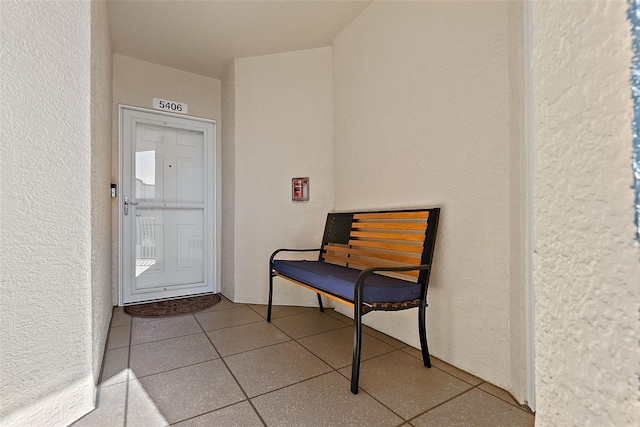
339	281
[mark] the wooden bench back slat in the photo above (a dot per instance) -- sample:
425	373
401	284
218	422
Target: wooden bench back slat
391	256
341	259
358	258
379	239
392	215
383	245
391	225
388	236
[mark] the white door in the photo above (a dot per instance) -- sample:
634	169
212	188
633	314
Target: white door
166	204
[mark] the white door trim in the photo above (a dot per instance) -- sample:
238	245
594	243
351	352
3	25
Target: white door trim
528	225
211	201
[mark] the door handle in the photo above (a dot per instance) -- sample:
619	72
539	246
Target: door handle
127	203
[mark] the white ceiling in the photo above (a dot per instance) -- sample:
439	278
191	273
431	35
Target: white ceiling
203	36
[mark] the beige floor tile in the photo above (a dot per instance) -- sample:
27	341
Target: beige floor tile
115	366
383	337
141	408
238	415
226	318
158	356
450	369
160	329
458	373
322	401
242	338
499	393
336	347
475	408
404	385
341	317
118	337
109	410
115	400
281	310
193	390
120	318
305	324
135	320
266	369
222	305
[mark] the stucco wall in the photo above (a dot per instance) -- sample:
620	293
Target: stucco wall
284	128
586	262
101	94
228	181
426	101
136	83
45	231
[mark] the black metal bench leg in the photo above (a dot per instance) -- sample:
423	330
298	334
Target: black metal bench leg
422	311
357	348
270	294
320	302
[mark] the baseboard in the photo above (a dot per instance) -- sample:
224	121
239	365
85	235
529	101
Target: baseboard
60	408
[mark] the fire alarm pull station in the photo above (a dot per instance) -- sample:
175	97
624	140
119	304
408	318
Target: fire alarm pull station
300	189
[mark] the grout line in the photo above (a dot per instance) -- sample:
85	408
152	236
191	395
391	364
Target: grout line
104	354
286	315
235	379
175	369
320	333
349	364
164	339
442	403
211	309
257	348
521	407
126	392
362	389
205	413
296	383
442	370
233	326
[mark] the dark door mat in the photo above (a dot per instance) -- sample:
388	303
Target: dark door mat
172	307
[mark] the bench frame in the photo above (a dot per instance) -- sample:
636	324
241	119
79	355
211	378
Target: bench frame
338	229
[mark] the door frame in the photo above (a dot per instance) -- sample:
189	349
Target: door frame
212	272
530	298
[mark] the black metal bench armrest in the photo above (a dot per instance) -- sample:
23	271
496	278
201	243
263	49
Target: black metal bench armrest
359	285
276	252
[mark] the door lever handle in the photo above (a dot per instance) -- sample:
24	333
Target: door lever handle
127	203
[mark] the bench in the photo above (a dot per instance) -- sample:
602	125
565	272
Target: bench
370	261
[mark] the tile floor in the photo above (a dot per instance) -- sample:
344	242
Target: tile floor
227	366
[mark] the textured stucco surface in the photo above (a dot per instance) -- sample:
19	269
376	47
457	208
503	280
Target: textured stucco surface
101	94
45	209
284	128
586	262
136	83
426	99
228	143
